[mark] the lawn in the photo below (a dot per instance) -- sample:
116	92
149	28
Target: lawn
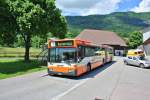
17	52
12	68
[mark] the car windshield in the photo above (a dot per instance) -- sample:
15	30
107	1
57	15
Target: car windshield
63	55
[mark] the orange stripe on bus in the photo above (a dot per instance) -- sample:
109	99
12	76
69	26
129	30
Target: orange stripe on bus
96	64
60	69
80	70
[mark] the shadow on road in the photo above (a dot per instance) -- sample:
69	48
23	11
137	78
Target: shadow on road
90	74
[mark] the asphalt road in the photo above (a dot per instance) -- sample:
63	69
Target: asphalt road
114	81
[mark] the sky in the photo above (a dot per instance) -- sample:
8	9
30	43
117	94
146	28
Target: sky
101	7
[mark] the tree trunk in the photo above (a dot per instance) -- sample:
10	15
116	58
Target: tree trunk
27	48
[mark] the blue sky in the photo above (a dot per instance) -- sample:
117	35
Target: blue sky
90	7
126	5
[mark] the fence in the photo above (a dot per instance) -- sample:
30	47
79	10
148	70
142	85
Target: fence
17	54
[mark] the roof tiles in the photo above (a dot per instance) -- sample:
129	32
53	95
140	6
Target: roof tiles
101	37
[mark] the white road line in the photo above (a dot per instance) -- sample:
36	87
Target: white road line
69	90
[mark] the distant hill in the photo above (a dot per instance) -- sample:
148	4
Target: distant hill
120	22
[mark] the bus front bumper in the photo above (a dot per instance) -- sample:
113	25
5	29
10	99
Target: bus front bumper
69	73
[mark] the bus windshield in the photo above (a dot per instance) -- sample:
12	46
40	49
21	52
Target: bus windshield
63	55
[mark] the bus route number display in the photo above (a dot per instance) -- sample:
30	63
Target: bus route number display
64	43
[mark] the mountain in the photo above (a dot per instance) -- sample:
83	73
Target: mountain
122	23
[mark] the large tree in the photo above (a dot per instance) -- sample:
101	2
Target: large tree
7	25
36	17
135	40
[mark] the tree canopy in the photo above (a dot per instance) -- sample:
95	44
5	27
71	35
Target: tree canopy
7	25
135	40
30	18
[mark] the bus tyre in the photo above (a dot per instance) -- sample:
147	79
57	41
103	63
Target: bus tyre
110	59
48	72
142	66
88	67
103	61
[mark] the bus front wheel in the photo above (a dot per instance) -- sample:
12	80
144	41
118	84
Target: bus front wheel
49	72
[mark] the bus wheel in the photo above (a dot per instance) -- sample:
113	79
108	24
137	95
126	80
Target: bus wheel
49	72
88	67
103	61
111	59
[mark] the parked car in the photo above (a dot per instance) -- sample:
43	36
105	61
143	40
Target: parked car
137	61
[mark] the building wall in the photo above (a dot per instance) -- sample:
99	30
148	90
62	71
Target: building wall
147	49
146	36
119	50
146	41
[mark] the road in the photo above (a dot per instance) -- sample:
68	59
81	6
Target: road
114	81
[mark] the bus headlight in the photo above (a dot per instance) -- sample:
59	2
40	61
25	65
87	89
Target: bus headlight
50	69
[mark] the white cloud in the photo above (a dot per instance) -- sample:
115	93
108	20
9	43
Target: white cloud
87	7
144	6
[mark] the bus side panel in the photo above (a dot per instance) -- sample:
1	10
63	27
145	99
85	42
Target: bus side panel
96	64
109	58
80	70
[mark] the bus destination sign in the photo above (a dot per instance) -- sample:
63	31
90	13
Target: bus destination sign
64	43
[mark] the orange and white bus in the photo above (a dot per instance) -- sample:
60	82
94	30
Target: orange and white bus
73	57
108	53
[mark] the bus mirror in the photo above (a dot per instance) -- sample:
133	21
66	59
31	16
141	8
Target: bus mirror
78	60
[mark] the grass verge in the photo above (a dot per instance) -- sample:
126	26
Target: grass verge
12	68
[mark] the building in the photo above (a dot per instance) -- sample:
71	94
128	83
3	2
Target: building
100	37
146	41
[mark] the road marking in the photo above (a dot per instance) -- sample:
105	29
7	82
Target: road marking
69	90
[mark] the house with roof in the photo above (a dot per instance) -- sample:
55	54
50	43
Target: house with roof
101	37
146	41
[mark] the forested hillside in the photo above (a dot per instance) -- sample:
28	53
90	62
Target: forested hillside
122	23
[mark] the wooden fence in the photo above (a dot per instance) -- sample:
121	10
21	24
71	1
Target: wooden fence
17	54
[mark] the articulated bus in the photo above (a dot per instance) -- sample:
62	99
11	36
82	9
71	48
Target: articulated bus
108	53
73	57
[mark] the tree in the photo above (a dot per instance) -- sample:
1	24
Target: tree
73	32
7	25
135	40
36	17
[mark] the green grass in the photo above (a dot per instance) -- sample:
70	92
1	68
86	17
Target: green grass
17	52
12	68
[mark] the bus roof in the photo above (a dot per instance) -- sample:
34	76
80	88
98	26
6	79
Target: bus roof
79	42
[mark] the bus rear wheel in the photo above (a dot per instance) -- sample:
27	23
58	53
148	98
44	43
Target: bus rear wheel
88	67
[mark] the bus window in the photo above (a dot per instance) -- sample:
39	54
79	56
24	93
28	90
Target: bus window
52	53
89	51
81	52
61	55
